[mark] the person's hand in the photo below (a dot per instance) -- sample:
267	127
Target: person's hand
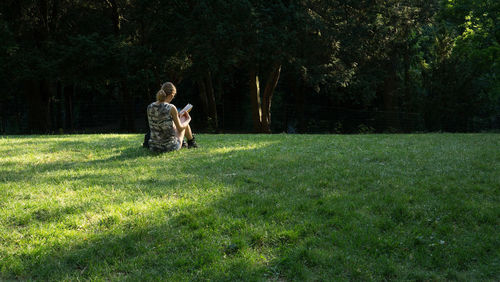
185	117
184	114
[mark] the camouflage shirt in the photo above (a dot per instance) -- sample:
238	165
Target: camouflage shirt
161	125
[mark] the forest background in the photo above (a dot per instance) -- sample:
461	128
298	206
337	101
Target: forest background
313	66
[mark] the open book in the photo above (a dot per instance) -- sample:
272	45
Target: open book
187	108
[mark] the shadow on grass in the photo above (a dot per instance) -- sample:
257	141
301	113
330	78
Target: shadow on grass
237	234
190	240
274	214
20	145
30	172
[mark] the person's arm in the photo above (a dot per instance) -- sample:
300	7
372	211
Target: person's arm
180	125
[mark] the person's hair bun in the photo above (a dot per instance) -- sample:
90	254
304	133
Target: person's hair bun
161	95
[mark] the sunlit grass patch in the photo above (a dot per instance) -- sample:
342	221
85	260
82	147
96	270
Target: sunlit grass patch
253	207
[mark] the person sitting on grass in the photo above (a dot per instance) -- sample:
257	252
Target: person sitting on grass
167	128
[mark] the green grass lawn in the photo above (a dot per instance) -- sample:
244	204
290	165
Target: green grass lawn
251	207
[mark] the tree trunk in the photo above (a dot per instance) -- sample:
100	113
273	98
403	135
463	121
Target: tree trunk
272	81
57	121
220	96
38	106
407	90
43	9
261	110
55	12
115	16
38	94
126	98
298	93
255	100
390	97
68	107
127	110
212	106
202	90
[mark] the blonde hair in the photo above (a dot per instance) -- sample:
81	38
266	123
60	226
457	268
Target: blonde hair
167	88
161	96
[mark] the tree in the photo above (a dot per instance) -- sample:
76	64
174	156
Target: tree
461	82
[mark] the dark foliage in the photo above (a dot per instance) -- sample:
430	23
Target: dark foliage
353	66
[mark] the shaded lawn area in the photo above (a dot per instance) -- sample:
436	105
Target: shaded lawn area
252	207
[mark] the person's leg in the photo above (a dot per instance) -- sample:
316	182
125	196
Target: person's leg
189	133
190	137
180	136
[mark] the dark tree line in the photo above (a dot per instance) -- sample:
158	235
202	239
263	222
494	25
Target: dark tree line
252	65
